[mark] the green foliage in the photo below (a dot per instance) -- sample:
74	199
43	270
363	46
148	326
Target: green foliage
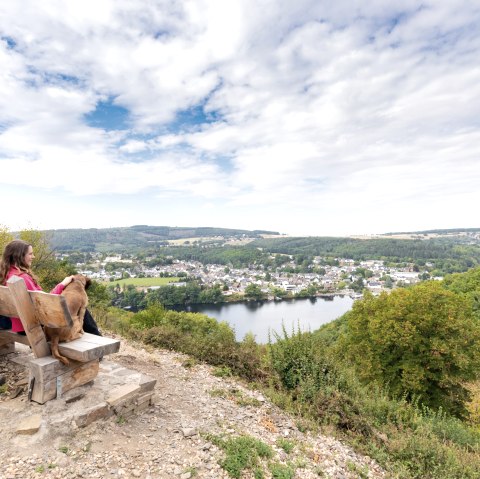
282	471
222	372
200	336
144	282
468	285
422	341
447	255
48	270
286	445
135	237
5	237
308	292
98	295
301	365
253	291
242	453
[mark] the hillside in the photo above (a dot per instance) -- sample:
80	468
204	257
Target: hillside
175	437
133	238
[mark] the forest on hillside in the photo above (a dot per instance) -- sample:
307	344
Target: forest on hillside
134	238
447	256
448	253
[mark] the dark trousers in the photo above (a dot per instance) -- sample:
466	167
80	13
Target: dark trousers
89	324
5	322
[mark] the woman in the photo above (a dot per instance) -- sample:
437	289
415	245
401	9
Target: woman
17	261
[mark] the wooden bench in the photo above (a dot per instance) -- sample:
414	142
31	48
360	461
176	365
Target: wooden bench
49	378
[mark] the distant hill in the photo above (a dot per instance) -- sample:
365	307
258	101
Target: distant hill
132	238
438	232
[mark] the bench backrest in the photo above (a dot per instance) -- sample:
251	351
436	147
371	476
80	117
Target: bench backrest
34	308
50	309
7	305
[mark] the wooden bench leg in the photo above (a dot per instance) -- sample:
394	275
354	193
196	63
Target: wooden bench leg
52	378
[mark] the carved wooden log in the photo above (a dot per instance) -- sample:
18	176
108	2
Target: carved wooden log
52	378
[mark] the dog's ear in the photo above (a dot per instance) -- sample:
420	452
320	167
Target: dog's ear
88	282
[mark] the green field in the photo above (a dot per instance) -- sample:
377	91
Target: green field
143	282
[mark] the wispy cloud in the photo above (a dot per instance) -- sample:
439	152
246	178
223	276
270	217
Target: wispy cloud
305	117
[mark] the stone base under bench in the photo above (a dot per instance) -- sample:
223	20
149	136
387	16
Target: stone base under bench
116	390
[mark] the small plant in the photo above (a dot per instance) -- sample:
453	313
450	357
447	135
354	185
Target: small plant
301	463
222	372
302	426
218	393
241	400
236	396
242	453
189	363
3	388
121	420
286	445
52	465
40	468
192	470
63	449
361	471
281	471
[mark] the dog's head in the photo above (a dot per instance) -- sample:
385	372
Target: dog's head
86	282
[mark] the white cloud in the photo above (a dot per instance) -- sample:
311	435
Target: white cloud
363	115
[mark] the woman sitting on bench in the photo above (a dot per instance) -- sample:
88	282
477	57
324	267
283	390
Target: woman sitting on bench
17	261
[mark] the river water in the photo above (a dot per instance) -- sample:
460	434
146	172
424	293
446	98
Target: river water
260	317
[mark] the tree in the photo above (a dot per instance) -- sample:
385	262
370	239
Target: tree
5	237
310	291
421	341
253	291
468	285
358	285
278	292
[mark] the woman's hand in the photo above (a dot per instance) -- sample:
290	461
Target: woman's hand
67	281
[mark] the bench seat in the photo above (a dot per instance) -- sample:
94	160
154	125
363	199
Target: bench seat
84	349
89	347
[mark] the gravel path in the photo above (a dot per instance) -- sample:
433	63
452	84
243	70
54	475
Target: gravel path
169	440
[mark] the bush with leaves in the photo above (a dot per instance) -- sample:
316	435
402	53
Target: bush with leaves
420	341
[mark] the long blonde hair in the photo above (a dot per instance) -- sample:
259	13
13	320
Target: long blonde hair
14	255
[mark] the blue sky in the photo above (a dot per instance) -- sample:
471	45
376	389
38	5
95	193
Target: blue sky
305	117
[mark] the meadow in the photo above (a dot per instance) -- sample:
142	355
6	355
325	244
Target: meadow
142	282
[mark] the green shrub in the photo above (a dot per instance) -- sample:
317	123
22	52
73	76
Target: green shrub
422	341
281	471
242	453
200	336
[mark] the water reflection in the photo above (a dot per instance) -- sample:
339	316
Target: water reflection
260	317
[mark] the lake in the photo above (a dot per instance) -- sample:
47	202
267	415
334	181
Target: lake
258	317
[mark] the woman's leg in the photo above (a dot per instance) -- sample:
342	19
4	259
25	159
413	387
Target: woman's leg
89	324
5	322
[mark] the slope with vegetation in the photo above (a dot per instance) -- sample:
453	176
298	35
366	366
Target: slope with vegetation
394	376
134	238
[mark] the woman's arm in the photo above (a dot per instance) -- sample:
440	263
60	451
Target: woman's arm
61	286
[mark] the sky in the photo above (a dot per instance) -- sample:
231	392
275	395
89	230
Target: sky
303	117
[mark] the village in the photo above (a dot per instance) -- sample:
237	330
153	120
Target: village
348	277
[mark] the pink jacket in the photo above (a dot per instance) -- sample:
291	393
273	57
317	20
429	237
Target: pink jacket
31	286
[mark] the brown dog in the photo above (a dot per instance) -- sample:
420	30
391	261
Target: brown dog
77	301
